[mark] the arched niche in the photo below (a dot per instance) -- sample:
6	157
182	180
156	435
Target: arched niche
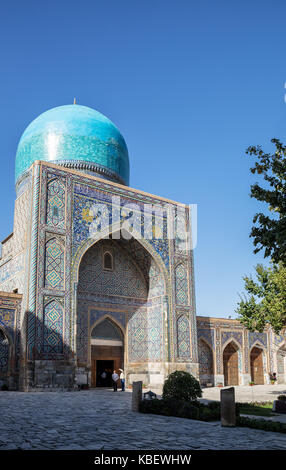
230	364
256	365
133	294
206	363
281	364
5	350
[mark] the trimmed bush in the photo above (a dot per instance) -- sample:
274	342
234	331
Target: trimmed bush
187	410
181	386
170	407
151	406
262	424
181	409
281	397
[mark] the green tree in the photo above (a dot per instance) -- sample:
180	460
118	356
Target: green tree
269	233
265	299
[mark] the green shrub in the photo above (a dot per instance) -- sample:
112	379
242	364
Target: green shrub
214	405
4	388
187	410
281	397
170	407
181	409
262	424
151	406
206	414
181	386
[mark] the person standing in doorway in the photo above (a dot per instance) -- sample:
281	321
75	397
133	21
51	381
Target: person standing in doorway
115	377
122	380
103	378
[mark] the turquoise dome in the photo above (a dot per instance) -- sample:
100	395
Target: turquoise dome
77	137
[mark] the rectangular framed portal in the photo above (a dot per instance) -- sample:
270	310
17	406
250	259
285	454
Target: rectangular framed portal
105	358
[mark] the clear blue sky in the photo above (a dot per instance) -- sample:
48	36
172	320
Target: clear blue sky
189	84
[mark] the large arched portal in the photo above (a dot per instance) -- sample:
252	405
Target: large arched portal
281	365
230	364
256	366
120	287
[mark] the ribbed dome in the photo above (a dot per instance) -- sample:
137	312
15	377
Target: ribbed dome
77	137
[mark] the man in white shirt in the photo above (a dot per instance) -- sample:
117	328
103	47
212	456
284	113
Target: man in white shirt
122	380
115	377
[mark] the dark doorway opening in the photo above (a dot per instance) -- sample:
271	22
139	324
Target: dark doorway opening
104	368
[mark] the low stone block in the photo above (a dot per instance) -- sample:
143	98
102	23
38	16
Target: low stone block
136	395
227	407
279	406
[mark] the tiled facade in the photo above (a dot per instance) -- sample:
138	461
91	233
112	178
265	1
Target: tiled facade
215	334
149	293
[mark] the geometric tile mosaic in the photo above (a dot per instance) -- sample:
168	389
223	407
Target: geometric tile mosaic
53	328
4	354
56	204
181	283
183	337
85	197
226	335
205	358
54	267
255	336
145	335
124	280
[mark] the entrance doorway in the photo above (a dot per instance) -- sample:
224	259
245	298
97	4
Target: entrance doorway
230	364
256	366
105	357
104	371
107	352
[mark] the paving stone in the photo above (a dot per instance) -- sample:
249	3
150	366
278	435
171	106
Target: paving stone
97	419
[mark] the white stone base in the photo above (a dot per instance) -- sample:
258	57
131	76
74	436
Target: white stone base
218	379
244	379
154	374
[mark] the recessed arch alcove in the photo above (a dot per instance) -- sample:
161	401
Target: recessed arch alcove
206	364
230	364
256	365
130	296
5	353
281	364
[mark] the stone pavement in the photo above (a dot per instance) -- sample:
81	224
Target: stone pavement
101	419
249	394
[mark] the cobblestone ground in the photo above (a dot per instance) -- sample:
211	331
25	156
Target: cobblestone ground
102	419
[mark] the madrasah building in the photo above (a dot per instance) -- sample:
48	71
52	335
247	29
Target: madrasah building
99	276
